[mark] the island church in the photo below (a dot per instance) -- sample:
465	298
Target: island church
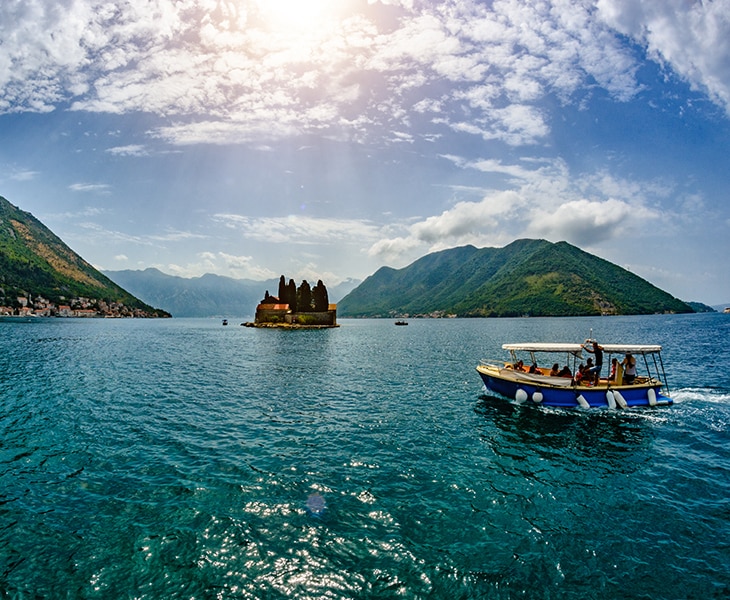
303	306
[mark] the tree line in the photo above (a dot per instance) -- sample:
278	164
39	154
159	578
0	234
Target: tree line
303	298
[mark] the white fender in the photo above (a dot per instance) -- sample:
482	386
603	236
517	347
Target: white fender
582	402
620	399
537	397
610	400
652	396
520	395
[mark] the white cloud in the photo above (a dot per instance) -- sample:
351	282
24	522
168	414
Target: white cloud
693	38
587	223
24	175
129	150
544	202
176	236
221	263
300	229
227	73
101	188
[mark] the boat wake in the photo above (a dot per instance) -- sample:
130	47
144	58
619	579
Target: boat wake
700	395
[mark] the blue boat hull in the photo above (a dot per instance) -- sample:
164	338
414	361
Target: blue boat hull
577	396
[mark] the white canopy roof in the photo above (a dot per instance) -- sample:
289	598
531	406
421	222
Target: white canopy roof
577	348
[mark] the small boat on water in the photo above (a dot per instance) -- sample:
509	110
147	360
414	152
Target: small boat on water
401	322
542	386
27	318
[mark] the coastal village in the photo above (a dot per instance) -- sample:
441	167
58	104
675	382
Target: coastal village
77	307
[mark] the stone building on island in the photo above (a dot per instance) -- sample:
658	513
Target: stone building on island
296	307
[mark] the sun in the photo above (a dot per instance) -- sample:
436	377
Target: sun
296	14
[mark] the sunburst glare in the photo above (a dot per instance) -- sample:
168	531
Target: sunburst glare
296	15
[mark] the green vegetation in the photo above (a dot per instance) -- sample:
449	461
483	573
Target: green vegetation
527	277
35	262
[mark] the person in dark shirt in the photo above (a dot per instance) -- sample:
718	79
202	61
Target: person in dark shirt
596	350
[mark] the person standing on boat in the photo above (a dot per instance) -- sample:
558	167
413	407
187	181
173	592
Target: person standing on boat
597	350
629	365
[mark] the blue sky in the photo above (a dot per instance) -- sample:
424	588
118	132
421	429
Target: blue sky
322	139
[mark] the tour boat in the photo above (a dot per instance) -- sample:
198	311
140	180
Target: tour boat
649	388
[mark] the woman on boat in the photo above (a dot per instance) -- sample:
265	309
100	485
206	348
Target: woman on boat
629	365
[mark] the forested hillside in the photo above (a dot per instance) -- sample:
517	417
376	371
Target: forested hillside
527	277
34	262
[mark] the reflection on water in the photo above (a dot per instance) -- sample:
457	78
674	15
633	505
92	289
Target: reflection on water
609	435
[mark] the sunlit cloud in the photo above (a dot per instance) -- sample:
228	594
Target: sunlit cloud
693	38
221	263
97	188
300	229
544	203
176	236
224	70
129	150
24	175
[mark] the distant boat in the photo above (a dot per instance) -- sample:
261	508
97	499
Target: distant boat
28	318
510	380
401	322
225	321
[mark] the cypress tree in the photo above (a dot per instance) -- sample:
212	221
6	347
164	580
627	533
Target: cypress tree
282	290
291	295
319	297
304	297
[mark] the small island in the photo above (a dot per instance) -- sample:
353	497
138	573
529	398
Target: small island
295	307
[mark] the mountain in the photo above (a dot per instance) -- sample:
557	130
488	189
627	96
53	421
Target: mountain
700	307
34	263
527	277
208	295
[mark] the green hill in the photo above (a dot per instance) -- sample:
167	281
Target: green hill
527	277
35	262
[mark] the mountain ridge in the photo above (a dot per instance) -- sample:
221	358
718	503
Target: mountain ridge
526	277
208	295
36	265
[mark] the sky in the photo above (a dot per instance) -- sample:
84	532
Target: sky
323	139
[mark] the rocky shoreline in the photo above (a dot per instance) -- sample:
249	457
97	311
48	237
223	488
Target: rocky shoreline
286	326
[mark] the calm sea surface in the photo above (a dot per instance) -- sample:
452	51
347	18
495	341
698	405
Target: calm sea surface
183	459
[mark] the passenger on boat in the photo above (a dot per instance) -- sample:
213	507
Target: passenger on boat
555	371
535	369
614	368
565	372
519	366
579	374
629	364
597	350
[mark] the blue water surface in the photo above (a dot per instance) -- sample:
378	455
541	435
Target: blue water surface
182	459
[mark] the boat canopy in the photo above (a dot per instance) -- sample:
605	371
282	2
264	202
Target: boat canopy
578	348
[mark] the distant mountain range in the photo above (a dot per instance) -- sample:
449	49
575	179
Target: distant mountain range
208	295
35	263
525	278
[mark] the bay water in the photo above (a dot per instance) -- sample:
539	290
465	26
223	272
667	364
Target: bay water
183	459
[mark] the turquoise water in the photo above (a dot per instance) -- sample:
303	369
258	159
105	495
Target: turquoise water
182	459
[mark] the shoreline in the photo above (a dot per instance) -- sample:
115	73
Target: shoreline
285	326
